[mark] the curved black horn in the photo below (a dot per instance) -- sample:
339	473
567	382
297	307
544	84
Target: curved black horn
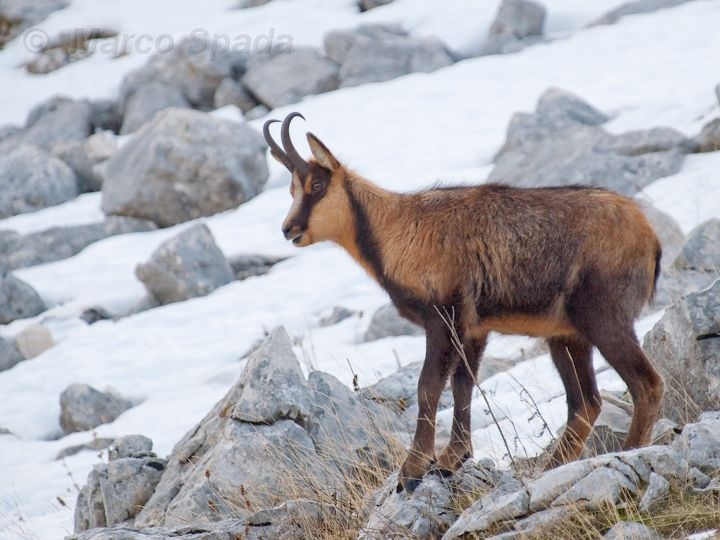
275	149
298	162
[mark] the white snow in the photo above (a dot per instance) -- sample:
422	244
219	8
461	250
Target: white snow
178	360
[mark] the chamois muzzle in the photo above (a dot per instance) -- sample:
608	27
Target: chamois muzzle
293	233
287	155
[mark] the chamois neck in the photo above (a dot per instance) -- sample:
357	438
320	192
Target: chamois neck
372	211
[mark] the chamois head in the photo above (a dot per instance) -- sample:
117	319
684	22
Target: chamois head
320	204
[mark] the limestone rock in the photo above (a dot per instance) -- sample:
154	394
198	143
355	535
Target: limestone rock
115	492
31	179
380	52
685	347
287	78
429	511
387	322
626	530
185	266
516	23
83	157
273	385
18	300
709	138
635	7
562	143
83	407
9	355
34	340
58	243
183	165
145	100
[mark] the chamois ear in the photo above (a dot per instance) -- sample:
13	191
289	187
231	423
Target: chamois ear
321	153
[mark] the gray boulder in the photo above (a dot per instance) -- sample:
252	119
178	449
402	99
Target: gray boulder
18	300
30	180
308	433
563	144
432	508
668	231
183	165
135	446
645	141
115	492
685	347
290	520
709	138
9	355
185	266
701	250
287	78
231	92
58	243
95	444
83	157
34	340
105	116
249	265
387	322
144	100
17	15
631	530
700	442
54	121
256	112
366	5
223	455
696	266
656	491
346	428
399	390
194	66
595	482
517	23
380	52
337	315
273	384
635	7
83	407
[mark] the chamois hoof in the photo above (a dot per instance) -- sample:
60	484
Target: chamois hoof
408	484
442	472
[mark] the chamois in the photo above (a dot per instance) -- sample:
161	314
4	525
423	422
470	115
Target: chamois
574	265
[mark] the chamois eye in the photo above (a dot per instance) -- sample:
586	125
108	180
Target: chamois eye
316	187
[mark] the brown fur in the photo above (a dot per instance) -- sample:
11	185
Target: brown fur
574	265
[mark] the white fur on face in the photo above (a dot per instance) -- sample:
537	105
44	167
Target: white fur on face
297	189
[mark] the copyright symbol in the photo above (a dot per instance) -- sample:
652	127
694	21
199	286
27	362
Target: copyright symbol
35	39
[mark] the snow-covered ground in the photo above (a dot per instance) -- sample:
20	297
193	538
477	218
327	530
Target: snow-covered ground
176	361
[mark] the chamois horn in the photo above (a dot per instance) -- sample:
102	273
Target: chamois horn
277	152
287	155
298	162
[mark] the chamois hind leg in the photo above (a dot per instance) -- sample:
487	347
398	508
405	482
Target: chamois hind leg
463	381
610	328
623	352
573	359
439	361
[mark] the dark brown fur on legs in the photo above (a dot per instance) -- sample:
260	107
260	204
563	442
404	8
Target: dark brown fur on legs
440	359
572	264
463	381
573	360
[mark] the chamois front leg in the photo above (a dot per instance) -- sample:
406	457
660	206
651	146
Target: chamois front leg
463	381
439	359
